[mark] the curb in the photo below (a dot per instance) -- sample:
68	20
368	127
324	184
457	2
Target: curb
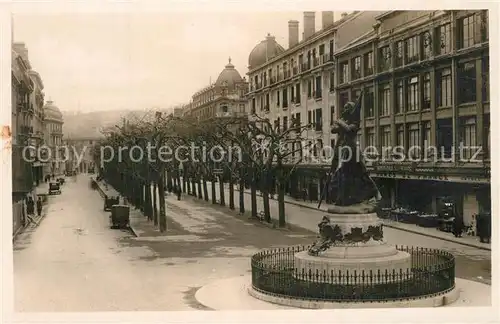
394	227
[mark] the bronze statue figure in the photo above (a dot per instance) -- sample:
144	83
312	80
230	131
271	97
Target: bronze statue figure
348	178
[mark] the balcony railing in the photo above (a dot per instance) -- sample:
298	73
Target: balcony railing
232	114
304	67
318	94
272	80
295	70
287	74
368	71
356	74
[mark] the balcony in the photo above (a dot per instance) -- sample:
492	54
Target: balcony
412	59
26	130
280	77
295	70
296	100
356	74
233	114
368	71
272	80
285	105
304	67
287	74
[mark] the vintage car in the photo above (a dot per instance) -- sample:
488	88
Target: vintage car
54	188
110	201
119	218
61	180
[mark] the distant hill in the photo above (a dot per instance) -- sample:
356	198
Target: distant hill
90	124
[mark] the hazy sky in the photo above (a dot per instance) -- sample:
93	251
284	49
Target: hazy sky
92	62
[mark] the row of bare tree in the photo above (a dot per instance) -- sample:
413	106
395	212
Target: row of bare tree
144	158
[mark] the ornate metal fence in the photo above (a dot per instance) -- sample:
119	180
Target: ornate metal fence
432	272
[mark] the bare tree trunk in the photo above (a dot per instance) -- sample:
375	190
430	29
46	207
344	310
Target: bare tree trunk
155	204
214	196
281	203
205	189
231	193
221	188
242	195
265	197
163	215
253	190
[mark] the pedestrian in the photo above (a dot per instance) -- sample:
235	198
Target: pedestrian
30	206
304	194
39	205
458	222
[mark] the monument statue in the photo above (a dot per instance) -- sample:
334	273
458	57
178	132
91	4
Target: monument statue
354	192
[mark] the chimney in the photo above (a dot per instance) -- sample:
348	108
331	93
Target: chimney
326	19
343	15
309	24
293	33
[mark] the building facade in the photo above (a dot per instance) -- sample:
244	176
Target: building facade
81	154
224	98
37	139
53	137
425	80
299	84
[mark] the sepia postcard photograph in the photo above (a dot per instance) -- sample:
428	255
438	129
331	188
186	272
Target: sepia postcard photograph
279	159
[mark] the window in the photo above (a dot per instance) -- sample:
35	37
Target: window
297	93
370	138
343	99
309	89
253	106
318	124
368	62
356	68
385	140
468	30
398	57
385	58
297	120
309	118
412	94
285	123
426	96
261	103
467	82
444	43
332	81
332	114
321	49
319	88
399	97
368	104
411	49
277	98
468	137
443	87
285	97
319	145
385	100
344	76
413	140
267	102
400	136
486	78
426	40
426	135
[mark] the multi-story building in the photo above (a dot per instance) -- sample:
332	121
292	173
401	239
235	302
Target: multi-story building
298	83
224	98
37	139
425	76
81	153
22	130
53	135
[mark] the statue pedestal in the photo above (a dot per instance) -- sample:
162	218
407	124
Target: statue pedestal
352	245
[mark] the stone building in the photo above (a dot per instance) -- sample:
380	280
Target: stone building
21	130
425	76
81	153
298	83
53	134
37	139
224	98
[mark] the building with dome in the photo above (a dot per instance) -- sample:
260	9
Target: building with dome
53	135
224	98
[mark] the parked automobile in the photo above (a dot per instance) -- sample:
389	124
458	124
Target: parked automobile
119	218
54	188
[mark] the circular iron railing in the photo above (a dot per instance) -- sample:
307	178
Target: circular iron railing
432	272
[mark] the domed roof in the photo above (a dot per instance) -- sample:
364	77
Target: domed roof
229	76
264	51
52	112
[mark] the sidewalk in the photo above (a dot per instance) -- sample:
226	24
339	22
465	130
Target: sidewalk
311	223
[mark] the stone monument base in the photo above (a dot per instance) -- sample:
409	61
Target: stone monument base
352	245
